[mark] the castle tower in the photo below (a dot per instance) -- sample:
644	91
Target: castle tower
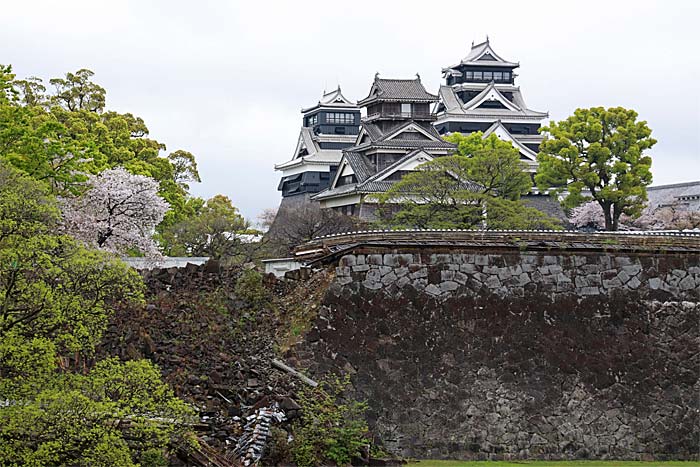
328	127
480	95
396	136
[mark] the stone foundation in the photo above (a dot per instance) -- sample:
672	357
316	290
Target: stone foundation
513	354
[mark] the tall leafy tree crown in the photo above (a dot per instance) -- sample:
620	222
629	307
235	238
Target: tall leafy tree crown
598	154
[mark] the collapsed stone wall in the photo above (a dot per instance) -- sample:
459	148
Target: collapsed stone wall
518	354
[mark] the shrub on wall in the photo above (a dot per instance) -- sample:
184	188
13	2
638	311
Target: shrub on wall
331	429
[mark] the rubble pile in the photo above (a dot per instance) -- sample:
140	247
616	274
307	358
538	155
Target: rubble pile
211	348
251	445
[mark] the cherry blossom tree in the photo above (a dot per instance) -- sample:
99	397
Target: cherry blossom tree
118	212
588	215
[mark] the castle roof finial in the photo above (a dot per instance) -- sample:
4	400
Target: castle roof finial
376	76
418	76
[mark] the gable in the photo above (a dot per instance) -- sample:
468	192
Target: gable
503	134
487	57
406	165
494	97
411	131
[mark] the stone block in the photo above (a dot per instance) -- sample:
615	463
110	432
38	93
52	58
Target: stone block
515	270
623	277
490	269
384	270
440	258
621	261
447	275
461	278
481	260
402	281
580	281
389	278
523	279
422	272
376	260
400	272
373	275
504	273
492	282
548	259
589	291
580	261
453	267
654	283
632	269
634	283
433	289
528	259
360	268
342	271
347	260
594	279
680	273
468	268
612	283
449	286
360	259
372	285
343	280
687	283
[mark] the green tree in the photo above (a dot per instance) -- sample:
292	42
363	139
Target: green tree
491	163
453	193
598	154
77	92
55	299
216	230
62	137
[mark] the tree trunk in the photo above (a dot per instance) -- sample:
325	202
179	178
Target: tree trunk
608	216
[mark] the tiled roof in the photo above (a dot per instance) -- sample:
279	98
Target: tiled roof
333	98
410	90
476	54
363	170
455	106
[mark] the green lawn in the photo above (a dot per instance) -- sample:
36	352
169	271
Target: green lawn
429	463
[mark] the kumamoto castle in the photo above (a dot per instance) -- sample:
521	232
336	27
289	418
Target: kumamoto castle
342	161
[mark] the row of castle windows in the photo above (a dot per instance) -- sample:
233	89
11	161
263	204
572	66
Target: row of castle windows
488	75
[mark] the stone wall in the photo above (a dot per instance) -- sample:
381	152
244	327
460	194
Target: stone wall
518	354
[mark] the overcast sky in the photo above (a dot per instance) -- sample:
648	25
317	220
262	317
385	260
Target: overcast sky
226	80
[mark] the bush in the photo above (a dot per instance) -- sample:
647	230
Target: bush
330	429
249	288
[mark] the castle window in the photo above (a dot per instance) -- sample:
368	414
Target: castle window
406	109
478	75
340	118
498	76
488	75
469	74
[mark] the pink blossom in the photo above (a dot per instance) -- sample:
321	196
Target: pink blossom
118	212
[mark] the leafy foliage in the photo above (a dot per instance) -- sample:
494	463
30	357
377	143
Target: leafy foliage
63	137
55	298
330	429
492	164
216	230
602	151
479	188
249	287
